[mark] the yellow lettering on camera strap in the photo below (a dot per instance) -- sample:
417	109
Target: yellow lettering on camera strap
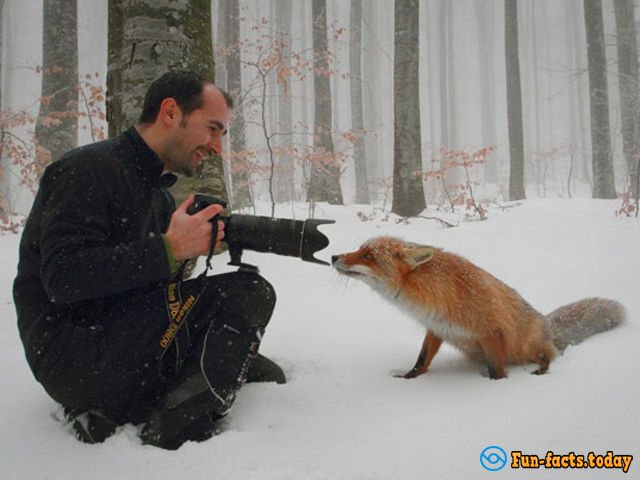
178	311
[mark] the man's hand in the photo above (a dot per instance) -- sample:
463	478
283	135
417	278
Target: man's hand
189	236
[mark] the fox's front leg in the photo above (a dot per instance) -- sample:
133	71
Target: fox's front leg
494	351
430	346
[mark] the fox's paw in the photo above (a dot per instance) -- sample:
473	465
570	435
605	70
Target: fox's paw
413	373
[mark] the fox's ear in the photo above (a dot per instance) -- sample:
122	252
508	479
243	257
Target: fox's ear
419	254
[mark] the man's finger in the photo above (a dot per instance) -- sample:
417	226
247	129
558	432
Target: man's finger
211	211
187	203
220	230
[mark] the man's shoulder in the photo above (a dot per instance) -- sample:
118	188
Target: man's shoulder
101	158
108	151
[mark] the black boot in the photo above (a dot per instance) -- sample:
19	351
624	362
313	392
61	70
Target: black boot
89	426
191	420
191	408
263	369
218	368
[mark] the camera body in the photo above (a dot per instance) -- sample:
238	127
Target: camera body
202	201
280	236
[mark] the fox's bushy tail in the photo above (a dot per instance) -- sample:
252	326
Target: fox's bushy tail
573	323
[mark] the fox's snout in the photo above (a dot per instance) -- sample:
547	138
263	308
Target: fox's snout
350	264
338	262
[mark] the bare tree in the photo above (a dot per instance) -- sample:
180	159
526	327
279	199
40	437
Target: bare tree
602	161
372	90
3	175
324	183
408	190
285	180
239	178
536	96
147	39
357	112
1	52
514	102
485	14
219	14
450	53
629	87
580	166
57	125
445	84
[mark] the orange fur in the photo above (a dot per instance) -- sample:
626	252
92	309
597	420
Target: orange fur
458	301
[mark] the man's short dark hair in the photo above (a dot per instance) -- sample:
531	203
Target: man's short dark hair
184	86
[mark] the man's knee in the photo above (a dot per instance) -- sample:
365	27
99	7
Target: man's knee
259	300
261	292
247	299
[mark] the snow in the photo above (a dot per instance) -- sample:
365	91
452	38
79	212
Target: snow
342	415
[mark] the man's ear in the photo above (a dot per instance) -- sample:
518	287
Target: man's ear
169	113
416	255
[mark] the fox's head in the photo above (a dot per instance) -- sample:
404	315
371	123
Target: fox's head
383	262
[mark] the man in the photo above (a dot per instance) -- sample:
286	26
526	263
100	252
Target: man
108	330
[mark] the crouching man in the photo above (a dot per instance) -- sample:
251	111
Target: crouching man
108	329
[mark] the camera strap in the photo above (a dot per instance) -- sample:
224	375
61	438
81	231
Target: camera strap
178	309
212	247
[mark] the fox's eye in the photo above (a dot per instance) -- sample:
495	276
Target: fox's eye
368	257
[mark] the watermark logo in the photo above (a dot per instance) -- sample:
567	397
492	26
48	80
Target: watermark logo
493	458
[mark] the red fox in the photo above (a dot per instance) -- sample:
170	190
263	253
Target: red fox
464	305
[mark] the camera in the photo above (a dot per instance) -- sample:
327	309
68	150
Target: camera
281	236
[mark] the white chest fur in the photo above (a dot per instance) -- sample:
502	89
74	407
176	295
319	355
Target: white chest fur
431	319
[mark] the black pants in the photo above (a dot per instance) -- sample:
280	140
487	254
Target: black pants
116	363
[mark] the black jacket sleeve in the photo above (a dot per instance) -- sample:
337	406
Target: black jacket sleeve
83	257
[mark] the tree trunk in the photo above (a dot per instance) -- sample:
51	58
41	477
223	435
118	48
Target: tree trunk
1	51
629	86
147	39
451	80
452	175
238	145
536	97
372	91
357	114
602	161
408	190
220	13
514	102
576	143
57	125
444	77
285	179
3	173
325	171
485	13
577	86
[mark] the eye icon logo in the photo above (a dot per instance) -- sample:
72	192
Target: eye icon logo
493	458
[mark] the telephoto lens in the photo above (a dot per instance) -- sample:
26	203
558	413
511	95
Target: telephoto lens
281	236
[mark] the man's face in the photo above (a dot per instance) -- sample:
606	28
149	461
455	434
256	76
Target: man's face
198	134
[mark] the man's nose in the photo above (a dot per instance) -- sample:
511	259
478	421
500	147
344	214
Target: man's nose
215	145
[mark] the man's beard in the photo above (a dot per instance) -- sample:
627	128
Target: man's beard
187	171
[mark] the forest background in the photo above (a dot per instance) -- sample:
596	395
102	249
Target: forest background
440	123
400	104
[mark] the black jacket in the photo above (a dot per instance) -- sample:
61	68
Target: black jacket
93	236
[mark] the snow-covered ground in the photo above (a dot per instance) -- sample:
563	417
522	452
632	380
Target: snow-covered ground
342	415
